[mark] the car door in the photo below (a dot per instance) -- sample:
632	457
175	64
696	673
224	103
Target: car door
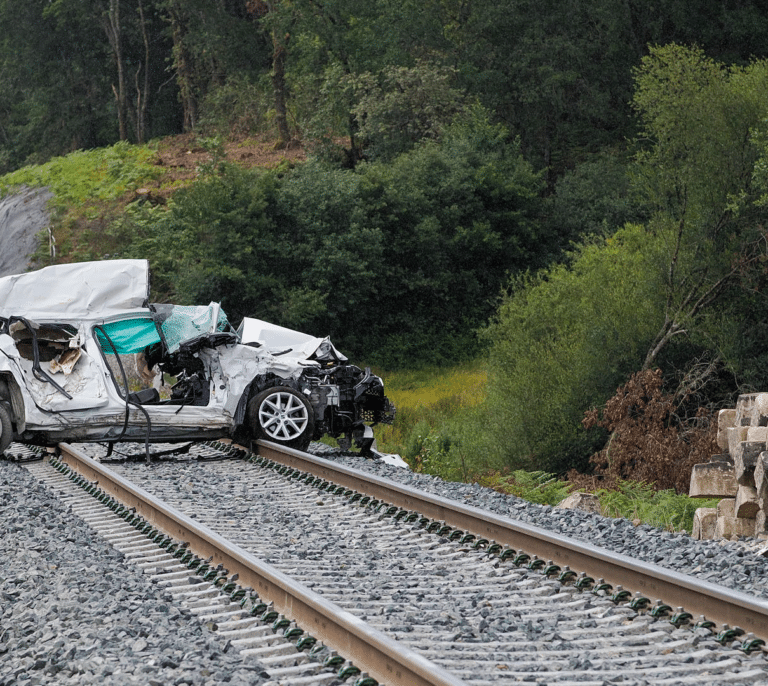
53	365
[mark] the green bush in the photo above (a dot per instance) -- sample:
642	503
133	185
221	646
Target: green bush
236	108
398	262
562	342
402	106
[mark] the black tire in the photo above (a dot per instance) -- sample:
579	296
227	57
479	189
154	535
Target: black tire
282	415
6	429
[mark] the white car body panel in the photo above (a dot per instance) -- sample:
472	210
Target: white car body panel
84	291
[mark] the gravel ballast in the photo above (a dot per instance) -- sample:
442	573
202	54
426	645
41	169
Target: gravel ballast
72	611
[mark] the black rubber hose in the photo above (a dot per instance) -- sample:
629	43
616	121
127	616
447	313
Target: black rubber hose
128	401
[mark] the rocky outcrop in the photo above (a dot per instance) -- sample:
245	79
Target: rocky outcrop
739	475
23	215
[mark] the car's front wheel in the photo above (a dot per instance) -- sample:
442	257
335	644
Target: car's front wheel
282	415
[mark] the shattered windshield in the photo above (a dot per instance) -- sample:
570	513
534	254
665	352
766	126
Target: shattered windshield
181	323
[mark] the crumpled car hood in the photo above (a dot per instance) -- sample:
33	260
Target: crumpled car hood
287	343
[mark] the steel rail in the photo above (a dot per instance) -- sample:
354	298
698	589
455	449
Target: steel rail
716	603
384	659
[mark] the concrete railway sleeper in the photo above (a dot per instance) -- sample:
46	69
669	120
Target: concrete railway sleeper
533	619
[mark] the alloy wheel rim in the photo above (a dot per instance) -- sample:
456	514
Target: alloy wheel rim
283	416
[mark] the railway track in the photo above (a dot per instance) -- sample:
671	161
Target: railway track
407	587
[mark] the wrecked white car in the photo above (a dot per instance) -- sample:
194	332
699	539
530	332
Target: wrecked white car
66	332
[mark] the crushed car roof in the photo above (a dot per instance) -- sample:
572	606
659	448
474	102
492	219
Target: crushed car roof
84	290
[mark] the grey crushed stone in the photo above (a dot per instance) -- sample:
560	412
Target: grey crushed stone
52	631
72	611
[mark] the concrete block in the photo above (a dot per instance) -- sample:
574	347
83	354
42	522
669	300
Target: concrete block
713	480
586	502
761	477
704	523
736	434
760	416
756	434
745	461
746	506
729	526
726	419
745	409
726	507
760	524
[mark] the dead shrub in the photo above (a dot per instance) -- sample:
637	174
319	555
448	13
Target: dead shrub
650	441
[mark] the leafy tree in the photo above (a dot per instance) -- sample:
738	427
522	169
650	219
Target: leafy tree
212	41
220	239
398	262
458	217
345	49
407	106
696	171
594	198
562	341
652	294
52	83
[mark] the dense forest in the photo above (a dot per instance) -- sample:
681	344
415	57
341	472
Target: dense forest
575	190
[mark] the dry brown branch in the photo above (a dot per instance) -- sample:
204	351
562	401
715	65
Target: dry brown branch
649	440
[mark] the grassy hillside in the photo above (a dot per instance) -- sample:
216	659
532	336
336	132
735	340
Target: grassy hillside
93	187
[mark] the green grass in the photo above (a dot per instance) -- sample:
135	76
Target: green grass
535	487
664	509
632	500
89	187
86	176
431	402
427	400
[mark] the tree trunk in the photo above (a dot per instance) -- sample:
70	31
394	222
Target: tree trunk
279	88
142	94
182	63
113	29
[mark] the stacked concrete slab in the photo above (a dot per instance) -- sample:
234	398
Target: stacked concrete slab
739	475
